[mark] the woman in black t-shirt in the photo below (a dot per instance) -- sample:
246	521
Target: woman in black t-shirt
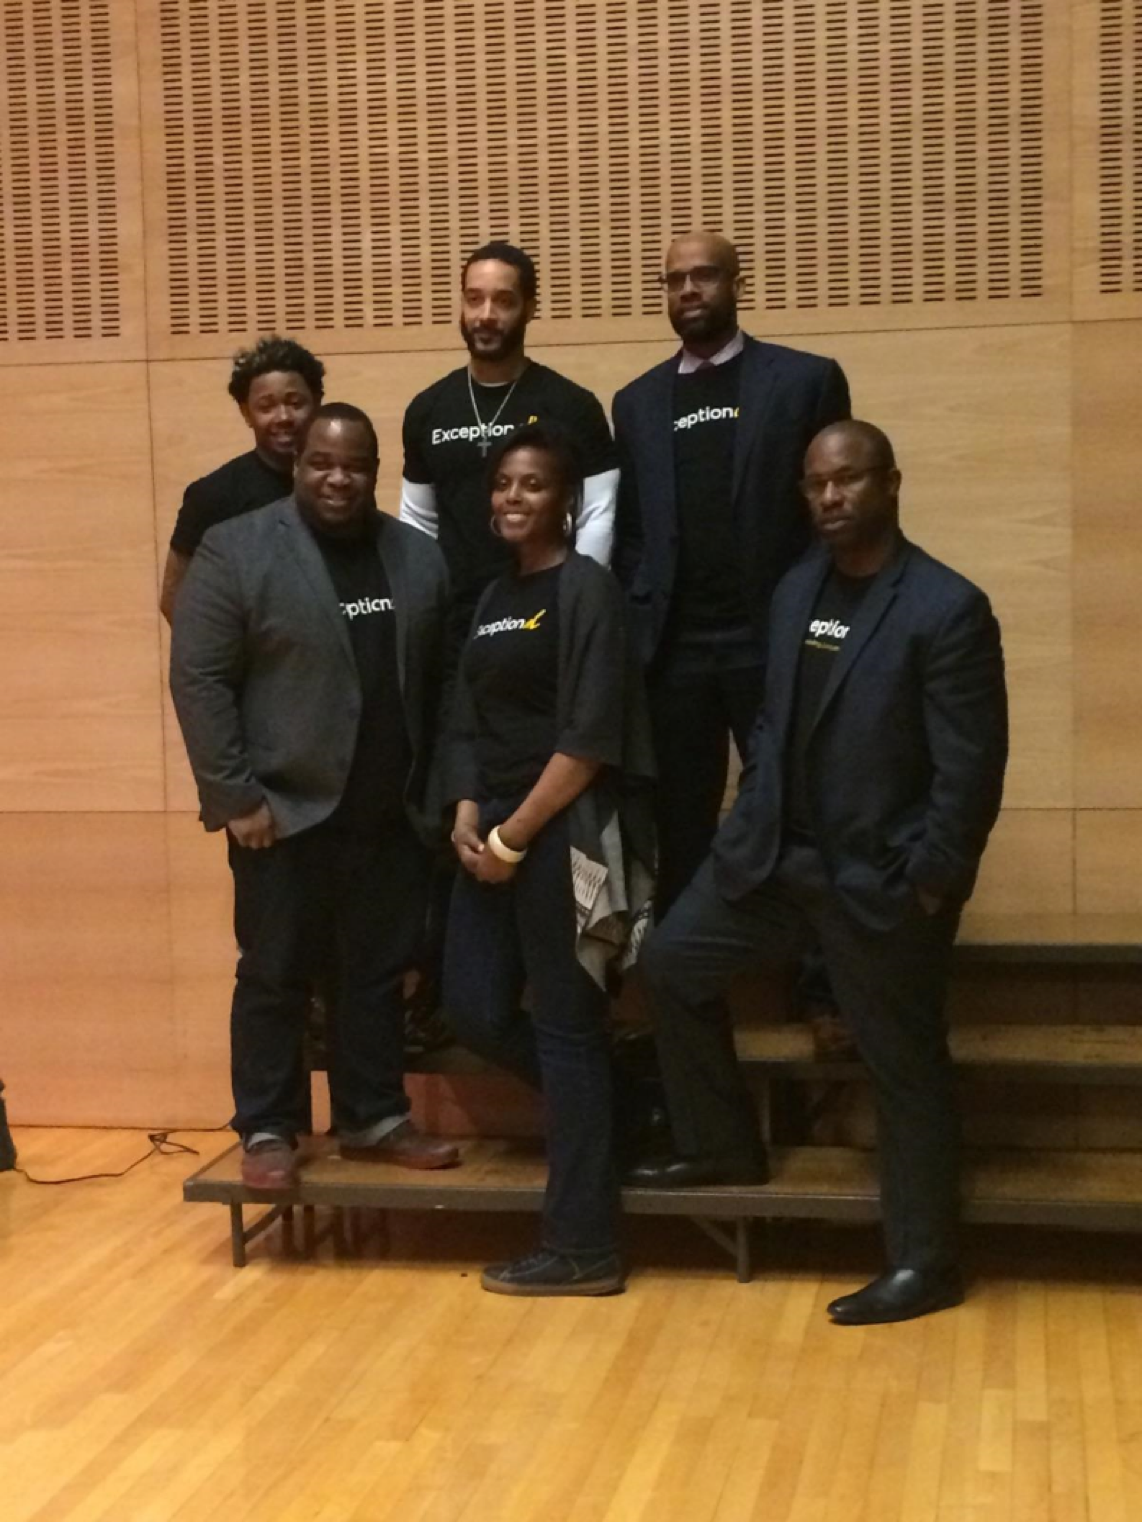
546	729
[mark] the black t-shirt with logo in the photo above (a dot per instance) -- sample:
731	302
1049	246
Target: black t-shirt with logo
374	790
239	486
442	447
708	589
830	624
511	664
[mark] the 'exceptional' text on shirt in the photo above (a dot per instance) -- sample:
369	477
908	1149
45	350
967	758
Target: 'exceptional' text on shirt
467	431
704	415
828	628
364	605
510	625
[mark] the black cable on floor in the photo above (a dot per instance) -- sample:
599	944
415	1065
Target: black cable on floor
161	1146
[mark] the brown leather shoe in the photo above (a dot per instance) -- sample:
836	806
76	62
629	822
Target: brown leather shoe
407	1148
269	1164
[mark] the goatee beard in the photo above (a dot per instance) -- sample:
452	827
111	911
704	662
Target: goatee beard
509	342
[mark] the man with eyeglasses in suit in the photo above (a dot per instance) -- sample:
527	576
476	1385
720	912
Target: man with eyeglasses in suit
709	518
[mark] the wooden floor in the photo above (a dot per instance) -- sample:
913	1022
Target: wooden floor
142	1379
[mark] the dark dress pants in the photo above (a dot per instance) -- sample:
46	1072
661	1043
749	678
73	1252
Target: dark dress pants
699	695
502	937
327	897
891	989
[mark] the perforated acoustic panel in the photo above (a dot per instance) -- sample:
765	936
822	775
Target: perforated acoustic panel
1120	148
63	188
323	165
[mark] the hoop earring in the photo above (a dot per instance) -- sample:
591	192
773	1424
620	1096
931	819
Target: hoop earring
568	526
493	524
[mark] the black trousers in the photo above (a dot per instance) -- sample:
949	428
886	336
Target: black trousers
699	694
501	937
891	988
326	898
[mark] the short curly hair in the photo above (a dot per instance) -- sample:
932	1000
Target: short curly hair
272	354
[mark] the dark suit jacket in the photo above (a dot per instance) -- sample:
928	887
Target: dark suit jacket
263	674
907	754
787	396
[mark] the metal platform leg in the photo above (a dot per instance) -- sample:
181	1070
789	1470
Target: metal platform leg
743	1245
738	1245
237	1236
337	1231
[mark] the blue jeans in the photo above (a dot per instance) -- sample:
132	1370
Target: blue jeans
501	937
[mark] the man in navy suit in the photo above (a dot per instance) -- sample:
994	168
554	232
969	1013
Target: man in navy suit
874	778
709	518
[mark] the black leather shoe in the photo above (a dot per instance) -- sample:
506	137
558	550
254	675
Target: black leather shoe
898	1295
693	1172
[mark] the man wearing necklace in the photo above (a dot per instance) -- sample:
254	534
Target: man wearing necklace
449	432
450	428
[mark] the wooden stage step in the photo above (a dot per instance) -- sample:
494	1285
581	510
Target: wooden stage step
1095	1189
1092	1054
1074	940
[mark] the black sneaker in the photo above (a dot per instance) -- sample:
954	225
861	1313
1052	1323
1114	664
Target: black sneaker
555	1273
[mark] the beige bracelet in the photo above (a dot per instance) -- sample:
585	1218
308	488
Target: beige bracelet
504	852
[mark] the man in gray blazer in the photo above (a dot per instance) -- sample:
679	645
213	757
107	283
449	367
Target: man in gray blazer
305	672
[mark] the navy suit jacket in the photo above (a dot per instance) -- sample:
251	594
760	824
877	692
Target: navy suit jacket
263	675
906	757
786	397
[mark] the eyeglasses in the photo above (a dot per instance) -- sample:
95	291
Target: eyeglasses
703	277
844	480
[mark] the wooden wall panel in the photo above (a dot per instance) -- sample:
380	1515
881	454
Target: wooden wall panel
117	965
997	508
89	1036
899	176
325	167
1108	564
1108	850
1029	865
1107	190
80	724
71	243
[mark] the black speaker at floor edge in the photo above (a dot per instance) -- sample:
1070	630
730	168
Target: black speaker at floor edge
7	1146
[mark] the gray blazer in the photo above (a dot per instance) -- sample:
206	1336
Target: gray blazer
263	676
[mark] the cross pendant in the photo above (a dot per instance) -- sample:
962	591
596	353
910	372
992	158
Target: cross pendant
483	444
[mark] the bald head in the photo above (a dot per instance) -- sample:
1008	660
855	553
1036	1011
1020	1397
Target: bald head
703	282
871	442
701	247
852	486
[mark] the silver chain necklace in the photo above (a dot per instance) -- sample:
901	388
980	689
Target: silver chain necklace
484	443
